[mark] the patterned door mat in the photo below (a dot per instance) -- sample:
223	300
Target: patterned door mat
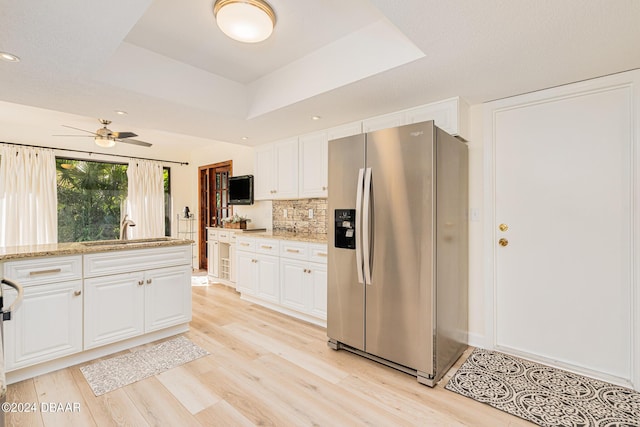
544	395
107	375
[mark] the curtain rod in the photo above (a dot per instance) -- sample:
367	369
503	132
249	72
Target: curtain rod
101	154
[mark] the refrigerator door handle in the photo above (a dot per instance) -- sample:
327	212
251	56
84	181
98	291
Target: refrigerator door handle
365	227
358	225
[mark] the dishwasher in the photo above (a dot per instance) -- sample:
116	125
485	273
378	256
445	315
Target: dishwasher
6	315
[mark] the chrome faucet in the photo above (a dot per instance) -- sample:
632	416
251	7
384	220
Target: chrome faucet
124	227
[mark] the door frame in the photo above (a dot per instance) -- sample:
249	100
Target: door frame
203	221
629	79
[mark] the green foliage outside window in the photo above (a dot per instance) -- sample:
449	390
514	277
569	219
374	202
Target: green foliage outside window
91	197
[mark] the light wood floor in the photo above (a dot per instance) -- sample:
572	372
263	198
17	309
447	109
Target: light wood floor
264	369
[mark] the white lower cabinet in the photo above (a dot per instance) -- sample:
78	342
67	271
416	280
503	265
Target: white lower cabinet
267	275
166	301
246	280
304	287
126	305
213	255
76	303
288	276
258	268
46	325
116	312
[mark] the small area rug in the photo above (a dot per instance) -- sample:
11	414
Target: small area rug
544	395
107	375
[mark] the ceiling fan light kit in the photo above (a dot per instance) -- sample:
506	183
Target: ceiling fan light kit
105	141
105	137
247	21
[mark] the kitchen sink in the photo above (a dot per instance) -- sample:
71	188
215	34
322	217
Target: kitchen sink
126	242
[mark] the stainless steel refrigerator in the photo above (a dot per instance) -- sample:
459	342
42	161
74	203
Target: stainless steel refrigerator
397	266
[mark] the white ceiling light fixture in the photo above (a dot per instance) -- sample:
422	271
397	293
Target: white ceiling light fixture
247	21
105	141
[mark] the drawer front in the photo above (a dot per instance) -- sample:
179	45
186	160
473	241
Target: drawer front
114	262
232	237
223	236
318	253
294	250
39	271
246	244
212	234
268	247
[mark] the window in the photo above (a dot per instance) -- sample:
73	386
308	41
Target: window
91	197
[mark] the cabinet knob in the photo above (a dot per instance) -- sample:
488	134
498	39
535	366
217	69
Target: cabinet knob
503	242
77	293
140	282
149	281
324	188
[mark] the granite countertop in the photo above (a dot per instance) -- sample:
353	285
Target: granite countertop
281	235
288	235
79	248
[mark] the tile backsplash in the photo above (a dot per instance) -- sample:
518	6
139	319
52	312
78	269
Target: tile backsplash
297	216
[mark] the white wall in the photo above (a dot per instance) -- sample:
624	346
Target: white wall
186	181
476	245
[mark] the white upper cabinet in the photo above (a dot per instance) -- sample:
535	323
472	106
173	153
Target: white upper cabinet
286	169
276	170
313	175
298	167
451	115
264	173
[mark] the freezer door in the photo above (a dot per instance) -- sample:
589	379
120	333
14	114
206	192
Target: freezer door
345	295
399	301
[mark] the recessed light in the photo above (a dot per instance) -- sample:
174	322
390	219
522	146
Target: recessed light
244	138
316	118
9	57
120	112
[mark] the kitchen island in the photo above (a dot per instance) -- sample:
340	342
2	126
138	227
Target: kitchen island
85	300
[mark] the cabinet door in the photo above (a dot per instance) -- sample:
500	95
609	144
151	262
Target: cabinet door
213	259
114	308
293	275
312	177
317	289
264	183
246	280
268	275
286	169
232	263
167	297
46	325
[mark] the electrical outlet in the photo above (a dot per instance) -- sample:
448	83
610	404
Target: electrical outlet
284	213
310	213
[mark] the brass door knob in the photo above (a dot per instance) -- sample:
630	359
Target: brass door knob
503	242
503	227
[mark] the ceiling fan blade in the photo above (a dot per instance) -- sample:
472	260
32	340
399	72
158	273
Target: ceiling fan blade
124	134
134	142
82	130
82	136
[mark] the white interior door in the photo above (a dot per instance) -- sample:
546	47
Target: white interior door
563	191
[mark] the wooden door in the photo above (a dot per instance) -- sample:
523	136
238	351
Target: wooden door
561	230
213	202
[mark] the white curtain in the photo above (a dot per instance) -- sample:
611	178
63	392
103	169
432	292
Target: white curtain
145	201
28	196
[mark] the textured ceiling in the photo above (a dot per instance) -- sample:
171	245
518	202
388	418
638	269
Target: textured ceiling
167	64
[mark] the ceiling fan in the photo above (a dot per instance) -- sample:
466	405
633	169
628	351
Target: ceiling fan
105	137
